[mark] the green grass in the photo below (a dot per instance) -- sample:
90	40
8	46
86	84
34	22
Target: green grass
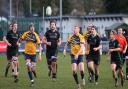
64	81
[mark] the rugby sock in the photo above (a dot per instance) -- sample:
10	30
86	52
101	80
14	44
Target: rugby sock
54	75
76	78
30	75
127	70
82	74
34	73
15	76
96	78
7	68
92	72
56	67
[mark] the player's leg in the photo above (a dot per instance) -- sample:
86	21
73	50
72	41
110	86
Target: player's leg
28	65
113	68
96	73
96	64
126	67
74	71
119	67
48	57
54	67
15	65
54	63
91	68
8	65
33	65
81	68
88	68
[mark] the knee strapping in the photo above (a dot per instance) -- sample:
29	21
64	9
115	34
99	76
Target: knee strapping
28	63
33	66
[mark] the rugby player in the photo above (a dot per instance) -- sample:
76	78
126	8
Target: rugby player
76	41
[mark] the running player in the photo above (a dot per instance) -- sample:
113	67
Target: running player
52	41
126	54
12	51
32	39
116	60
76	41
9	60
122	41
94	54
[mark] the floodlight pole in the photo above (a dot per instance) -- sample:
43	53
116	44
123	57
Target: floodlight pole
43	20
10	11
61	18
30	7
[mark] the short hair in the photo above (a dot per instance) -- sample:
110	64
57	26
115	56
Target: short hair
14	22
53	21
30	25
93	26
114	32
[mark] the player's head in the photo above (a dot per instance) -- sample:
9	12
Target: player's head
76	30
89	27
93	29
53	24
120	31
31	28
14	26
10	26
112	34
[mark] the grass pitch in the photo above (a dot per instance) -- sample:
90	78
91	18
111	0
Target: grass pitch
64	79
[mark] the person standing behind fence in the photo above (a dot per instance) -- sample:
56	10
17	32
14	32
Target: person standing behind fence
32	40
52	41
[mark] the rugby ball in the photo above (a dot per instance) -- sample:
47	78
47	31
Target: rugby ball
48	10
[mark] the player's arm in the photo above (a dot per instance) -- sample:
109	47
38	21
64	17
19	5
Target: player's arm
40	47
65	47
59	42
117	47
125	47
80	50
99	43
59	39
46	42
22	37
5	39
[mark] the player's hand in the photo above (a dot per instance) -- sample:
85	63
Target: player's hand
76	56
18	43
95	49
59	43
9	44
110	50
64	52
124	51
49	43
40	58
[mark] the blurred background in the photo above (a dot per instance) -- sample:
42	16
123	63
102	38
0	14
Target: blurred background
106	15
